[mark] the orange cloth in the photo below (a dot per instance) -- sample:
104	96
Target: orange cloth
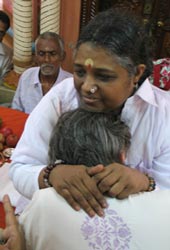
15	120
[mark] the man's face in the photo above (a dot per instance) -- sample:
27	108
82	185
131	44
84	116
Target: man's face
48	57
2	30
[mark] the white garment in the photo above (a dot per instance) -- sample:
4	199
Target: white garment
6	185
140	222
147	113
5	59
29	90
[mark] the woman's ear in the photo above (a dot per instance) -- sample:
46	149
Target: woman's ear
122	157
139	71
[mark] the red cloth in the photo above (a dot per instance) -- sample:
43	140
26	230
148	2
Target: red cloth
161	73
2	216
15	120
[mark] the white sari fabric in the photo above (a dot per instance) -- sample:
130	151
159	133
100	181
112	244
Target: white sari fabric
140	222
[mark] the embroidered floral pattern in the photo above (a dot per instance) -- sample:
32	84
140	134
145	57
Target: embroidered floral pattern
161	73
107	233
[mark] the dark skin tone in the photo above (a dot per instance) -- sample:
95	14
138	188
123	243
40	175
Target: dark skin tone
49	57
2	30
84	187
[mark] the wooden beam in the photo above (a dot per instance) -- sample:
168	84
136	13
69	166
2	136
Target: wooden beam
69	28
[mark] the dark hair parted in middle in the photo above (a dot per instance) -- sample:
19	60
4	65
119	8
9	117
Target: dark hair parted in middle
88	138
123	35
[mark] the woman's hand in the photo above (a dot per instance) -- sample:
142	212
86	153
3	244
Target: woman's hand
78	188
11	234
119	181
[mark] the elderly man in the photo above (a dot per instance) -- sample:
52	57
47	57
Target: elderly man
35	82
5	51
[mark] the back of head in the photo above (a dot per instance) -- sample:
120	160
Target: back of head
5	19
122	34
89	138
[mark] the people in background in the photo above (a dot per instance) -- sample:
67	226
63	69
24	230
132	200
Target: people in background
112	62
6	53
35	82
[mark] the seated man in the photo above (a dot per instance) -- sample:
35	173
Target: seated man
35	82
6	54
138	222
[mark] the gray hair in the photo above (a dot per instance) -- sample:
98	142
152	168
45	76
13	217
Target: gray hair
52	35
88	138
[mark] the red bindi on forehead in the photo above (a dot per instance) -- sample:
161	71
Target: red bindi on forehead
89	63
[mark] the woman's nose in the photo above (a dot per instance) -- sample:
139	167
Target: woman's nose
88	84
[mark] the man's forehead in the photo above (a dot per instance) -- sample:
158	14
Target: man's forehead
47	45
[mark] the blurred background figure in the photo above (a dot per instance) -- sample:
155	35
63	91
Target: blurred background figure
35	82
6	54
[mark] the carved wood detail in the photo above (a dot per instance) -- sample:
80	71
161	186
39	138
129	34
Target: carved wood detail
89	9
155	13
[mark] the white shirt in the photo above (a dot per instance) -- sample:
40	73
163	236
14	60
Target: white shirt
5	59
29	90
147	113
140	222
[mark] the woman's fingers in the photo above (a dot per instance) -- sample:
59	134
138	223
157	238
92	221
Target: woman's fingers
81	202
120	181
88	198
79	189
95	170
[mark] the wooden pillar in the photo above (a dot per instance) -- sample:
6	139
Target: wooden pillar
22	25
69	28
50	16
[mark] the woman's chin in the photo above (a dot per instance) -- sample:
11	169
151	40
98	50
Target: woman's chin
95	108
91	107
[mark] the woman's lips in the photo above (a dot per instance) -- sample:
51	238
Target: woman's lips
89	100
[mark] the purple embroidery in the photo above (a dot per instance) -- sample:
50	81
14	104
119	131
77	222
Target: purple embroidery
106	233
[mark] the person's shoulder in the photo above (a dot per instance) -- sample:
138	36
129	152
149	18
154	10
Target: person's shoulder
67	74
162	100
65	92
64	74
7	50
30	71
162	96
64	88
153	95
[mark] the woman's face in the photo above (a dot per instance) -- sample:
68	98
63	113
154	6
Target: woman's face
94	67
